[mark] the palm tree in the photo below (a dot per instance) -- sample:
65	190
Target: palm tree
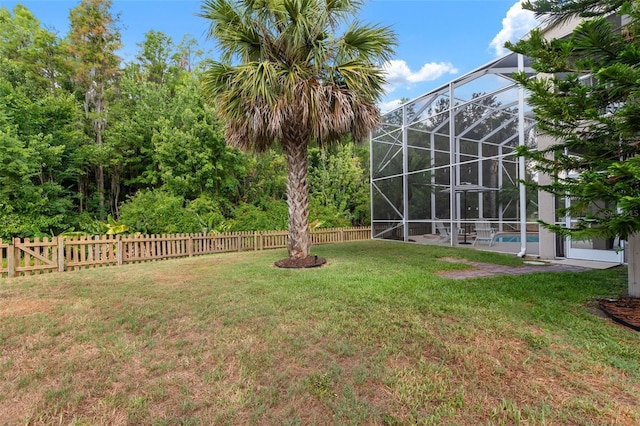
286	77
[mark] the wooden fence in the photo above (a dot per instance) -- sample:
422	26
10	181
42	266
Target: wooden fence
26	257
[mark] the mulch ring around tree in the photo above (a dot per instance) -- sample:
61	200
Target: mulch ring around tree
307	262
625	311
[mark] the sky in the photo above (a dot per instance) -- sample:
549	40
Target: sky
438	40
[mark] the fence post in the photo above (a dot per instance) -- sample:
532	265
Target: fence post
190	245
255	240
119	250
11	259
60	253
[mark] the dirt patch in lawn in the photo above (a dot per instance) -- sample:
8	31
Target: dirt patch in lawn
21	307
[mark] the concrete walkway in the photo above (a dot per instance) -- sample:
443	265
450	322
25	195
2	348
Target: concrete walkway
490	270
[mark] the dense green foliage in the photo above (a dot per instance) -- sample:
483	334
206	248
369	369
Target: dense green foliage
144	150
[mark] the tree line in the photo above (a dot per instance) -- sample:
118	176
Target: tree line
91	144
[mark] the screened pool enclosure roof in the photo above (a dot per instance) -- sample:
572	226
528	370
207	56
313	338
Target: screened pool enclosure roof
429	152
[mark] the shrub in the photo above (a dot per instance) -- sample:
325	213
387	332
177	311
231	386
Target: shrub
158	212
272	216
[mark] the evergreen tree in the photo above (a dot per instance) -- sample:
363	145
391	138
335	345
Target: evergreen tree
587	100
93	41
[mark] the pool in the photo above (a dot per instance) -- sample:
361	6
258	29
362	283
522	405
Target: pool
515	239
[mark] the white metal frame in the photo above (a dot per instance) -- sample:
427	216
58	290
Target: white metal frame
394	164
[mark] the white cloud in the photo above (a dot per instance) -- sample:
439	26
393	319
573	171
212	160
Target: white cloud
388	106
399	74
516	24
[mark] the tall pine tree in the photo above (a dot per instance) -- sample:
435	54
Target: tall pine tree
93	41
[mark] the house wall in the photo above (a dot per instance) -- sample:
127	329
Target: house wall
546	209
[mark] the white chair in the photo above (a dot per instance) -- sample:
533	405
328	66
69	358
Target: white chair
443	231
484	232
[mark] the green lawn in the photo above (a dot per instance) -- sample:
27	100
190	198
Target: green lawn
374	337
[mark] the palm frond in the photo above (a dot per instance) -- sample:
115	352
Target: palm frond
339	11
369	42
235	35
362	78
557	11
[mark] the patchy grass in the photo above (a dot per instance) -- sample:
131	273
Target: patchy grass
374	337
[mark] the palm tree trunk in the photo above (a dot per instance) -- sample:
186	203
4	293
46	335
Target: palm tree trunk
297	199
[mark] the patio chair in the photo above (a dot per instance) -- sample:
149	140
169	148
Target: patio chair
443	231
484	232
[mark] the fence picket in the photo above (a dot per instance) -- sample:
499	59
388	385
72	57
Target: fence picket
4	256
